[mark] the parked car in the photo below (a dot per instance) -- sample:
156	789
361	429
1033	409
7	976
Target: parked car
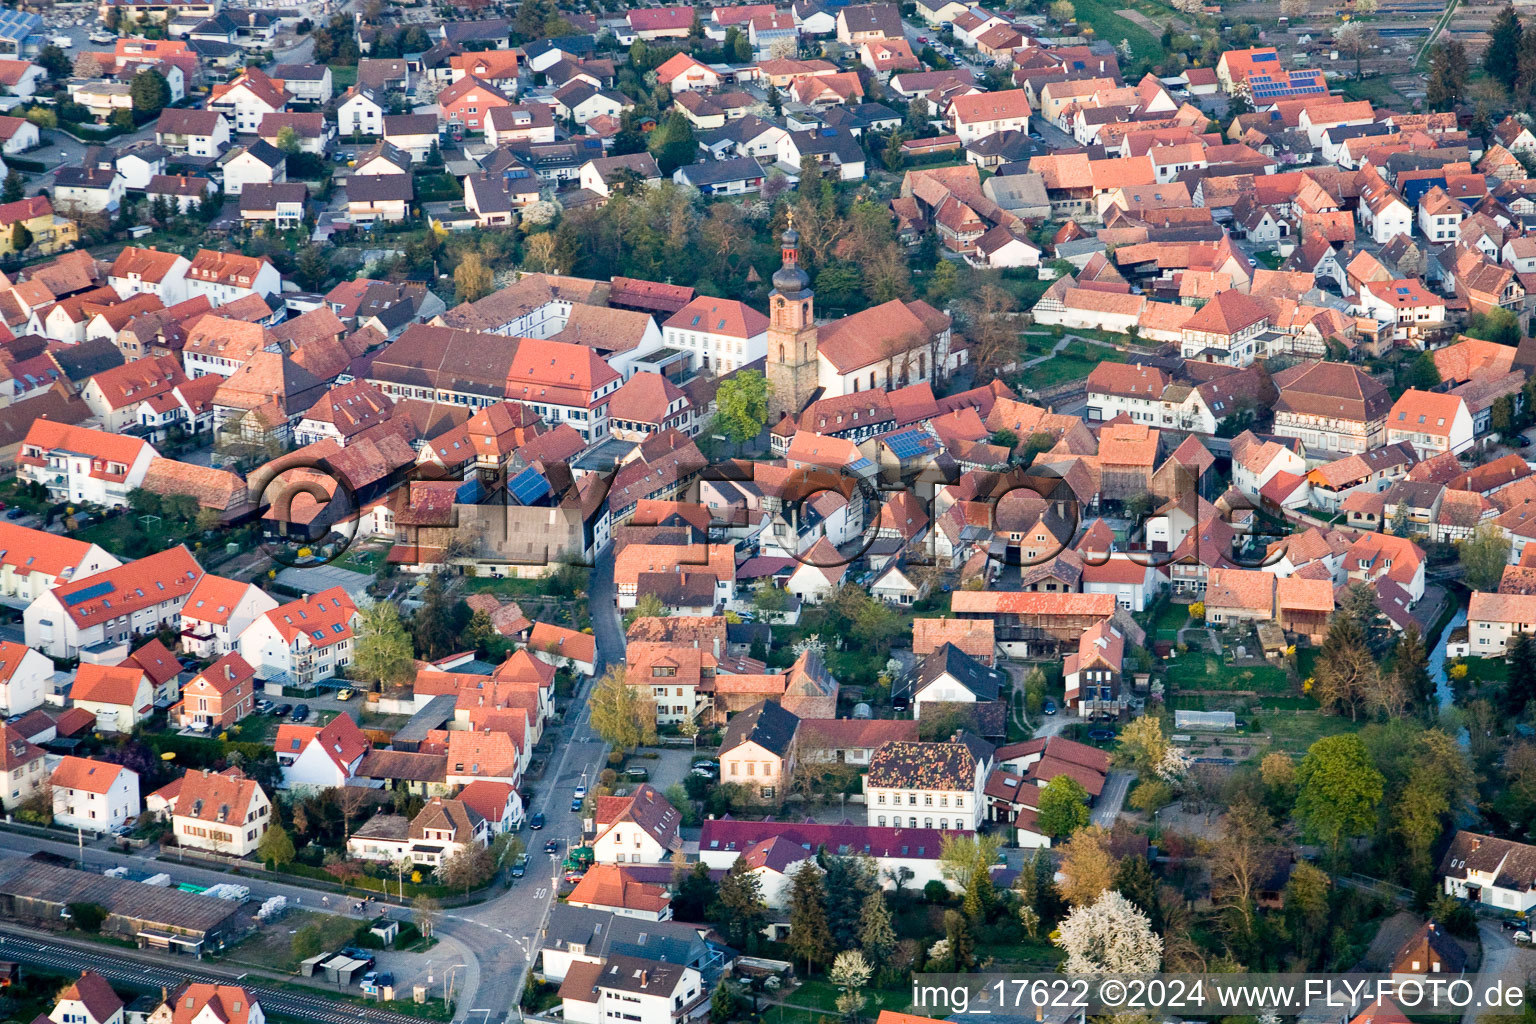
282	709
581	790
520	866
345	693
15	512
637	774
1101	735
1050	707
301	712
537	821
1523	936
576	803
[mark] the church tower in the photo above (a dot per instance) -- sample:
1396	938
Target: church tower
792	360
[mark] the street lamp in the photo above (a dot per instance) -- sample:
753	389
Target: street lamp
448	983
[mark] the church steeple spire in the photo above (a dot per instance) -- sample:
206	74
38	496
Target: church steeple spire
792	356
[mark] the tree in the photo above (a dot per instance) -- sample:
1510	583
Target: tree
1483	556
433	624
1338	788
1109	936
742	909
87	66
54	61
1525	70
1520	690
1240	861
1305	904
1410	663
1501	58
383	648
1354	40
469	867
809	937
150	93
742	406
1062	12
1498	325
621	714
1422	373
288	139
1087	867
1441	784
672	143
121	119
1063	807
877	936
424	914
850	972
994	337
21	237
1141	744
12	190
472	279
725	1003
1346	673
1292	9
276	847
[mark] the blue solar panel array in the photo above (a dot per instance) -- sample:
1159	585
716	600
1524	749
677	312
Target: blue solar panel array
90	593
1264	86
909	444
19	25
470	492
528	486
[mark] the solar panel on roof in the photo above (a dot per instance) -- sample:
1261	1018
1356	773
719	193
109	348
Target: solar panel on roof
90	593
528	486
906	445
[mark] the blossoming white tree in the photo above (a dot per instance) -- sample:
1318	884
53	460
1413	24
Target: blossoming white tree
1109	936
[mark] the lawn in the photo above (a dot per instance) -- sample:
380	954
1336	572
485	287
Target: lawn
504	586
1208	672
1111	26
1297	732
272	946
124	536
343	77
1373	87
1169	620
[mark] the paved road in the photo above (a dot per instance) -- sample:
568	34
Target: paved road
1107	808
129	968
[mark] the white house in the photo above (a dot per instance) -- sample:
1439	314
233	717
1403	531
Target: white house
93	795
260	163
139	271
1499	873
88	1000
80	465
304	641
112	606
248	99
720	334
217	611
314	758
221	812
630	989
24	678
948	676
120	696
206	1003
638	829
227	276
928	785
1433	422
33	561
87	190
360	113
